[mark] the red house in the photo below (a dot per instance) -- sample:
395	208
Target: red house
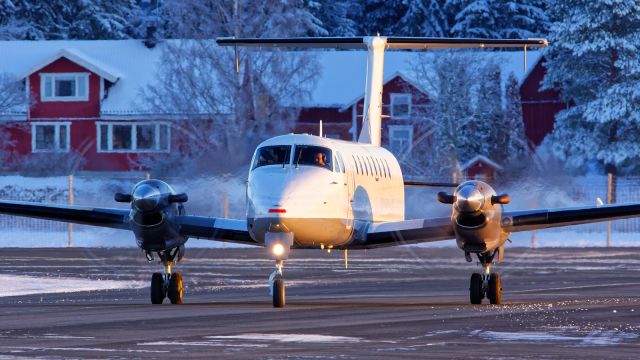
80	104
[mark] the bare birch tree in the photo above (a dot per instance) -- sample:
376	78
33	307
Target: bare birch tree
225	113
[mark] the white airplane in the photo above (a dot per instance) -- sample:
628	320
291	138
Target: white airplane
311	192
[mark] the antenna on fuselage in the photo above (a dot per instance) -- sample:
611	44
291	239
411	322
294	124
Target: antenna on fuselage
320	130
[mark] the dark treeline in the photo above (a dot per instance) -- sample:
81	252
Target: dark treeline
123	19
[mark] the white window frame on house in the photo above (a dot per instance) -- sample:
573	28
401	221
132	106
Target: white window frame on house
392	137
49	80
394	98
58	126
134	137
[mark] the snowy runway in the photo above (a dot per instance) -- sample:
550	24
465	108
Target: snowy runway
403	302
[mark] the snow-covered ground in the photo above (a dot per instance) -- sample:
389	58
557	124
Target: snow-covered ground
15	285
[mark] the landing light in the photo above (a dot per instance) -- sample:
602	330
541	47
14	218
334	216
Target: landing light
278	249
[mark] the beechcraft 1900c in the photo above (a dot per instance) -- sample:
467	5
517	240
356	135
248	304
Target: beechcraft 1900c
307	192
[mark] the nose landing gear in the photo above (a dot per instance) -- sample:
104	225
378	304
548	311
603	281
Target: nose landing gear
167	284
276	285
279	245
486	285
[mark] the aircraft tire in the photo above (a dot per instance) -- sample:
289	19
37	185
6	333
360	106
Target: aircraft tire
495	289
278	293
157	291
176	290
475	289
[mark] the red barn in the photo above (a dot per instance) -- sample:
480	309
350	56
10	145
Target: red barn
539	108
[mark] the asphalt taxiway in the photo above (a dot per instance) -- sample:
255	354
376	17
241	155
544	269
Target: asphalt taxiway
389	303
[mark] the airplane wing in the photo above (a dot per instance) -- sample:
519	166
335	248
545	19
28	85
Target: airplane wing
437	229
208	228
408	232
191	226
110	218
527	220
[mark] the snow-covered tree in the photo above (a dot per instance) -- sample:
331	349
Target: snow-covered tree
513	136
593	59
206	19
477	18
487	126
425	18
498	19
380	16
449	80
229	112
335	16
522	18
12	101
100	19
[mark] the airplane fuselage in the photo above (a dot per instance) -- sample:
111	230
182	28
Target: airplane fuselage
332	204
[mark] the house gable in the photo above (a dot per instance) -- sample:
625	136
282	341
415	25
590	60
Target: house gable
88	108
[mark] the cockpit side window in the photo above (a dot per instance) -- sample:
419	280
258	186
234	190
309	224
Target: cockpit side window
313	155
339	163
272	155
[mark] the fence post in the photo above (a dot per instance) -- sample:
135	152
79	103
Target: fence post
71	201
225	206
534	241
609	201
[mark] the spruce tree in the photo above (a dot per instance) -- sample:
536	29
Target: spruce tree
512	135
593	59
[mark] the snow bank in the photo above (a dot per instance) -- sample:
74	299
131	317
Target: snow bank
15	285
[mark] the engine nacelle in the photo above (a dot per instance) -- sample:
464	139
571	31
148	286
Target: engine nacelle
476	214
154	205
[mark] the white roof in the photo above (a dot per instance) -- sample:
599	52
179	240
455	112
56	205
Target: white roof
483	159
133	66
79	58
343	75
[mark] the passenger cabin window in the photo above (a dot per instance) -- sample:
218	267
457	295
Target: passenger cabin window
314	156
272	155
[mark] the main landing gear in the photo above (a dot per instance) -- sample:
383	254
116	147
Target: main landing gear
167	284
485	285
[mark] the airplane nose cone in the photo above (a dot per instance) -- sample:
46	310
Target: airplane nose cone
146	198
469	199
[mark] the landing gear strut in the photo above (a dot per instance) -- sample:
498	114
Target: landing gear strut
167	284
485	285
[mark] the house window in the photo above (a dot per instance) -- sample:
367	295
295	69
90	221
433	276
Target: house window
64	87
400	139
400	106
133	137
50	137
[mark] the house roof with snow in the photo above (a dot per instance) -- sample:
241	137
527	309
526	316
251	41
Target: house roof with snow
481	159
132	66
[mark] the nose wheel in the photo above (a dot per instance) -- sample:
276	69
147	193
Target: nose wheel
276	284
487	285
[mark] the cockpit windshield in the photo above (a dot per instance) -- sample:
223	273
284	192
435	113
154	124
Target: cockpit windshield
313	155
272	155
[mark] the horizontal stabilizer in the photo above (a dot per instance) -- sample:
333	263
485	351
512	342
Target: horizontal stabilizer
392	42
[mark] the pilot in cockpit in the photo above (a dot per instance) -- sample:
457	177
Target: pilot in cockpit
320	159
